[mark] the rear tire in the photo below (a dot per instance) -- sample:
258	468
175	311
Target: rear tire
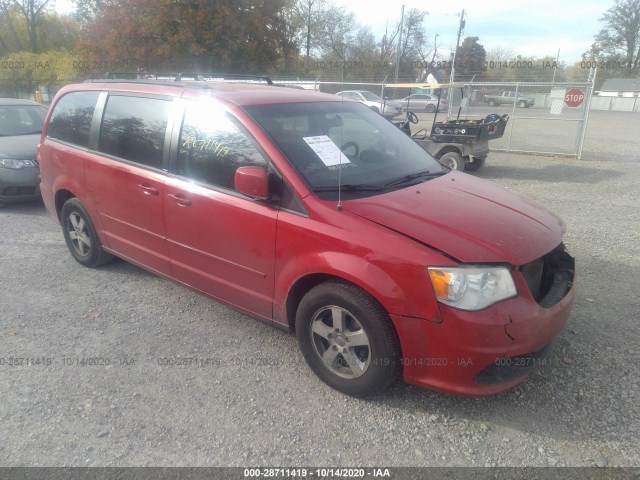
492	103
430	108
452	160
80	235
348	339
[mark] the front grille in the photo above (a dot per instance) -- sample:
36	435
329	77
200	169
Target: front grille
549	278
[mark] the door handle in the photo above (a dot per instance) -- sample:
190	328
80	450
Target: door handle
148	189
180	199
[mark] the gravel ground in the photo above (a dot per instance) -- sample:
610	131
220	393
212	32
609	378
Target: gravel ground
255	402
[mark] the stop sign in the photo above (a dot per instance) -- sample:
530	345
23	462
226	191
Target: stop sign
574	97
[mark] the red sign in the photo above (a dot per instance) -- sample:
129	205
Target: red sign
574	97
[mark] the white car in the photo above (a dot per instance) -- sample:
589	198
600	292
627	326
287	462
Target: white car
387	108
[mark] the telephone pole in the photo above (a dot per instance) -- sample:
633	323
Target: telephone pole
453	64
399	43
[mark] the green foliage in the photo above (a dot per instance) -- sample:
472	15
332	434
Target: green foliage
239	36
341	42
27	71
31	13
517	68
54	32
470	59
616	48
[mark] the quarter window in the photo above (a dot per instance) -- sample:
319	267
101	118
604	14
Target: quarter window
71	120
212	147
133	128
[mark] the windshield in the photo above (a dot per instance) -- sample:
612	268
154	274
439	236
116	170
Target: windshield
21	119
323	139
372	97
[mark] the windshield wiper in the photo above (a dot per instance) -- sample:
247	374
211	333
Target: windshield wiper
349	187
414	176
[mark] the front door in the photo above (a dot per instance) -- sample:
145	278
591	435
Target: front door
221	242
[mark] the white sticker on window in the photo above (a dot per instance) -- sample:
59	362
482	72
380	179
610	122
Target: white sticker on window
326	150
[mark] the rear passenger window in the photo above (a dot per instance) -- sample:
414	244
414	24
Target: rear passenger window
71	120
212	147
133	128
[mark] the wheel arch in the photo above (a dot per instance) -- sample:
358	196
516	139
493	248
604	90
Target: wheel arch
61	198
388	294
304	284
447	149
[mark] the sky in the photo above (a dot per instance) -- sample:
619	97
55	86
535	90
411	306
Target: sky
529	28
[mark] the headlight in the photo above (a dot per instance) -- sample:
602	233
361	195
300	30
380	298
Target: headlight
472	288
16	164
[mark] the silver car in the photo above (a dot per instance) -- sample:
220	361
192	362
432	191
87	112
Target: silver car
386	108
20	126
422	102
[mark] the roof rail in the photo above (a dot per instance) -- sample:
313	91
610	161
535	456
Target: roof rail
188	76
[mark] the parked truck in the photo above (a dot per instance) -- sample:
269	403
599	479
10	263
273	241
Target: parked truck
509	97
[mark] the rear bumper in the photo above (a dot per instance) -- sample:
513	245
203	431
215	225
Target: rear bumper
481	353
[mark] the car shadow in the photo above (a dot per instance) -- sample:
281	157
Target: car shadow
585	389
29	207
571	173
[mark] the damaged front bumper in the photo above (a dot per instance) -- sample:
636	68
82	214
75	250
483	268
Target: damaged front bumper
486	352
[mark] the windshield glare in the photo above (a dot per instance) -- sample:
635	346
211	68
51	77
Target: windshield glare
21	119
320	139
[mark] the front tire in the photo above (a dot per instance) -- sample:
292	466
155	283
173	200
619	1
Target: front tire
430	108
80	235
452	160
522	104
348	339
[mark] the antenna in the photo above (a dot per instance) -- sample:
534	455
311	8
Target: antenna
339	206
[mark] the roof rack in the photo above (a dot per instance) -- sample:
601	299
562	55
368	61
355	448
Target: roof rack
187	76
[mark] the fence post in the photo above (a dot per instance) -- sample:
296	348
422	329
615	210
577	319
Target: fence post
513	116
587	107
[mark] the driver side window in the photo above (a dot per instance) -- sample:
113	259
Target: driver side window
212	147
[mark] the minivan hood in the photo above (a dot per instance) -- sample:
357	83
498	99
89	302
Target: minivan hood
19	147
472	220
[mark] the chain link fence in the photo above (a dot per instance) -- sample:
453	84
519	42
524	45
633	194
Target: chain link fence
544	118
46	92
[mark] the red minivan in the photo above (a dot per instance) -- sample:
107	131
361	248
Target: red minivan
318	215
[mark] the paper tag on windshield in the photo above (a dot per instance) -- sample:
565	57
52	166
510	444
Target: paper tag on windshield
326	150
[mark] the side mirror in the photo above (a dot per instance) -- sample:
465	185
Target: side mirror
253	182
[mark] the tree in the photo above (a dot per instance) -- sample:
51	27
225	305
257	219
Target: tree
87	10
337	32
54	32
412	49
619	39
413	42
31	11
309	13
470	58
237	36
